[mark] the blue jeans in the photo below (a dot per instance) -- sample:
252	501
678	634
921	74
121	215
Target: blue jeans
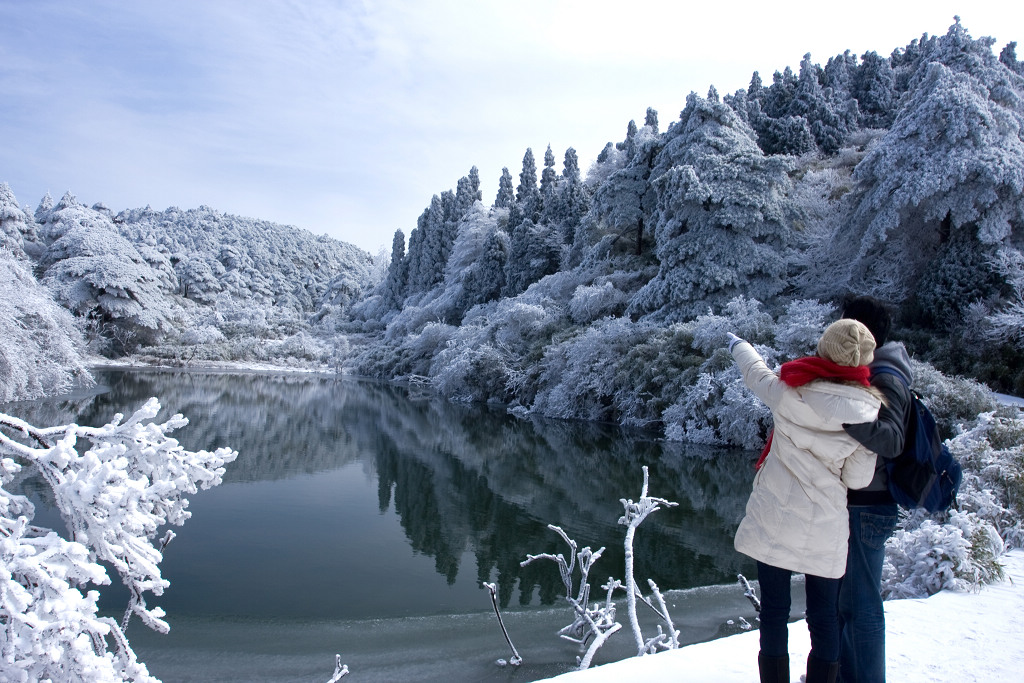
822	616
861	615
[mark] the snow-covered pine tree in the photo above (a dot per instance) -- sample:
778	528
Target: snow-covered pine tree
950	163
623	206
548	176
874	87
17	228
396	280
506	192
722	227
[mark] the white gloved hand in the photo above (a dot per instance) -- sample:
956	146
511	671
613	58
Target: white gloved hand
733	340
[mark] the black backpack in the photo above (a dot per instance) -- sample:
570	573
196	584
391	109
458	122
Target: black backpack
925	475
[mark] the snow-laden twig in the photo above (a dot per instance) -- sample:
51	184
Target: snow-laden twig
635	514
515	659
748	592
588	622
340	670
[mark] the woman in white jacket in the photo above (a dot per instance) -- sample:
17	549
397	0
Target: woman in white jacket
796	518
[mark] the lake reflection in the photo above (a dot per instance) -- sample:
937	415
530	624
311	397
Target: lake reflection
353	500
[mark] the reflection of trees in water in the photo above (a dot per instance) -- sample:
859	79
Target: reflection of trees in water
496	482
461	477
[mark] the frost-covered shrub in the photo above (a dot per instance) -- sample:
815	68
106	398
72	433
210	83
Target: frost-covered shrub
590	302
204	334
925	556
577	378
799	329
741	316
719	409
953	400
301	346
992	455
466	372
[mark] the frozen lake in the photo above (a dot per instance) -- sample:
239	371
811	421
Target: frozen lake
360	519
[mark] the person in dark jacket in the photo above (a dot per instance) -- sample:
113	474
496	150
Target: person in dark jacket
873	512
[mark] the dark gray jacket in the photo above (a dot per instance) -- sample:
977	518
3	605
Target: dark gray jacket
885	436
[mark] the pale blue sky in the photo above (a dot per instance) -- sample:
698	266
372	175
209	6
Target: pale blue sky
344	116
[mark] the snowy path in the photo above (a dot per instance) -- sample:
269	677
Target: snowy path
961	637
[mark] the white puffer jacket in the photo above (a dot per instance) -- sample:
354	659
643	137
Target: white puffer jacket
796	516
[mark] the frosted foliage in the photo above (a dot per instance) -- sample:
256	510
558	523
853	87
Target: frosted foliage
955	401
579	377
39	354
741	316
17	229
718	409
590	302
1007	323
956	150
114	496
934	557
721	225
992	455
801	326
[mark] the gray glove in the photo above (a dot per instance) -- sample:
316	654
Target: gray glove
733	341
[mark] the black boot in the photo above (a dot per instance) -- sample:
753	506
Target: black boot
773	669
820	671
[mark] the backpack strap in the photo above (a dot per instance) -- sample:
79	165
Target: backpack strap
887	370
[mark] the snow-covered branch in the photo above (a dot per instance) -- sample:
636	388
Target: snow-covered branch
113	497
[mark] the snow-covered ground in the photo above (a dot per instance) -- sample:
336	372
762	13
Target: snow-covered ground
960	637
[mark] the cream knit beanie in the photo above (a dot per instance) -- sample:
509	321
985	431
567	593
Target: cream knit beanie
847	342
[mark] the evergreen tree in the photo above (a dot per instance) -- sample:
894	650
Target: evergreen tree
528	198
624	203
838	73
396	280
874	86
17	229
779	95
486	280
651	120
534	251
45	206
548	176
950	163
721	224
506	193
467	192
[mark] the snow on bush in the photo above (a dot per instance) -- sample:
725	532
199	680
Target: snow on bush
924	558
38	356
114	496
590	302
992	455
959	550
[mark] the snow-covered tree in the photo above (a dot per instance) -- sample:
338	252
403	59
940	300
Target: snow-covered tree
548	176
506	192
874	86
97	274
17	228
114	496
951	162
529	202
722	223
39	354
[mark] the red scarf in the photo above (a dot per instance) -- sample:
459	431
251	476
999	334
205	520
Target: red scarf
799	372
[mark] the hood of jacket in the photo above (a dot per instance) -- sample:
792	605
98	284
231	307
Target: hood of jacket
893	355
828	405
